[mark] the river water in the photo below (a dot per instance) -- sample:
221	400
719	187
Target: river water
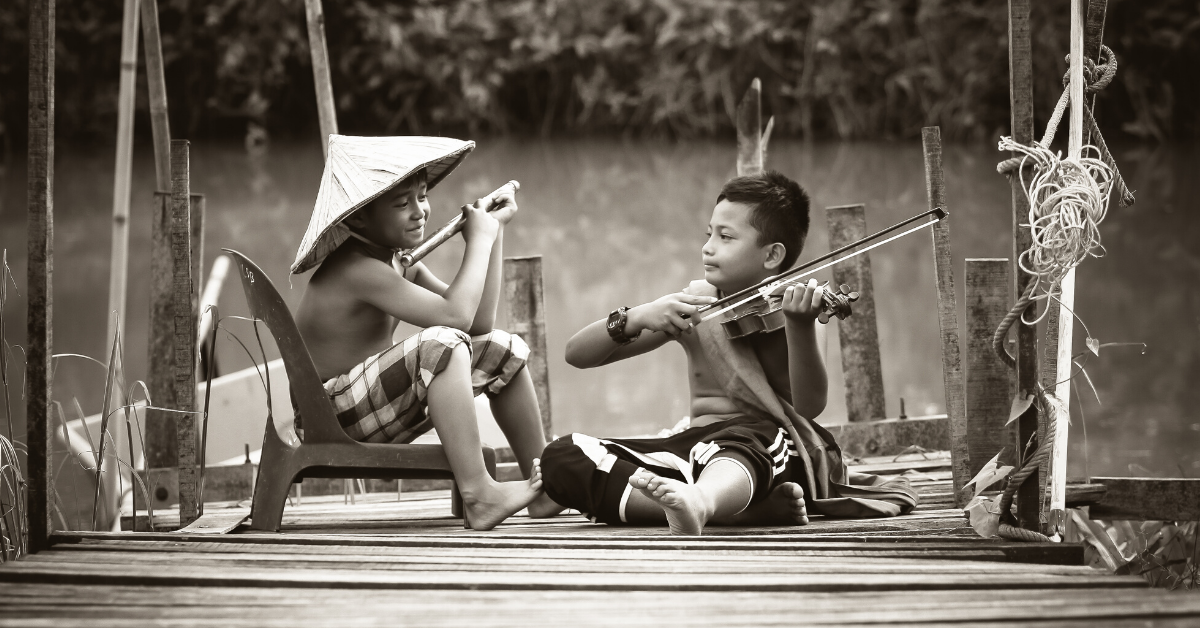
622	222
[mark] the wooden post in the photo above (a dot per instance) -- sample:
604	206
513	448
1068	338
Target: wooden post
527	318
119	260
184	363
859	334
161	447
1020	86
40	313
752	138
1066	321
952	374
196	211
990	386
749	125
157	86
326	110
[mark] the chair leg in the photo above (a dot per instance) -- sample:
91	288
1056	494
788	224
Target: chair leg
270	496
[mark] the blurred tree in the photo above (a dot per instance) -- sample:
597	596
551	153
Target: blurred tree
674	68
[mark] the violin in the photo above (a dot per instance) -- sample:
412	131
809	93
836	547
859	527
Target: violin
761	305
765	314
414	255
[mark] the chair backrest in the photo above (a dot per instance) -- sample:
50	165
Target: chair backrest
308	393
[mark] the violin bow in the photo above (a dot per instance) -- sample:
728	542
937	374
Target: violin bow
796	274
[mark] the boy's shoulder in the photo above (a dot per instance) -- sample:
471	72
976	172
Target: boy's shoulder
352	263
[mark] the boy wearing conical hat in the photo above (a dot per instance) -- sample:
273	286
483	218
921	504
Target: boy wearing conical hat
372	204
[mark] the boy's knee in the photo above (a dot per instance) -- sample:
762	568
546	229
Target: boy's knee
507	340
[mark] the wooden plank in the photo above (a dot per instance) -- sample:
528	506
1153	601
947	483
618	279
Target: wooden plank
29	571
326	108
859	334
184	337
1020	89
218	522
1148	499
750	157
990	386
161	447
892	436
39	343
952	373
156	84
196	217
526	312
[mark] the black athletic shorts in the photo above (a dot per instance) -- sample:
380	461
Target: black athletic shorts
591	474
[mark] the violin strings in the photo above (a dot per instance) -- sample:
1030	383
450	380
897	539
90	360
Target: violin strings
791	280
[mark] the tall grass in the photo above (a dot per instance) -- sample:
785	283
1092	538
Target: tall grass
14	524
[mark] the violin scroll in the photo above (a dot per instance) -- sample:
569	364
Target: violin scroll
837	304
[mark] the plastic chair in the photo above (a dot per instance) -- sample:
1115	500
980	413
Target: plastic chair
326	451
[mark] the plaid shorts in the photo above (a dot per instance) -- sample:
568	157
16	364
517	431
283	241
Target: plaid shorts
383	400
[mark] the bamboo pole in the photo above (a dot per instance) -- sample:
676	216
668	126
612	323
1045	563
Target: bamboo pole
1029	425
749	129
952	372
157	85
1066	320
859	334
326	111
185	329
40	312
119	262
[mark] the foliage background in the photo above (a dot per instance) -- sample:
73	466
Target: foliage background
830	68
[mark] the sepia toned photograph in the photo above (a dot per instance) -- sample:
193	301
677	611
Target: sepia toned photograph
599	313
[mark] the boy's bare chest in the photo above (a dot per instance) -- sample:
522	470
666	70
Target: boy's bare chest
772	352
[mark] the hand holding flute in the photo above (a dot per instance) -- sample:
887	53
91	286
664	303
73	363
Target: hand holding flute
491	202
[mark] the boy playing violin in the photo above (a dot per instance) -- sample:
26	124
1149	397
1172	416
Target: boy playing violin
371	205
752	449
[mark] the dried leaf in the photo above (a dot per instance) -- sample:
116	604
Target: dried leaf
1019	406
984	515
989	474
1094	345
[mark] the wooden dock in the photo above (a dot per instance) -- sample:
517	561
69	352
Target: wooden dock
389	561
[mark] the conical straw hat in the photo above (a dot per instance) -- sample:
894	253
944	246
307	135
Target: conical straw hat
357	171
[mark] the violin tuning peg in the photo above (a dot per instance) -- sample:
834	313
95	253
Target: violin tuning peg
823	317
844	289
853	296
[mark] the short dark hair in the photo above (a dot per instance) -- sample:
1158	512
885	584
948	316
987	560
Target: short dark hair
780	209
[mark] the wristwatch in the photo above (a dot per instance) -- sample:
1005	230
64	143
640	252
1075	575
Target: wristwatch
616	326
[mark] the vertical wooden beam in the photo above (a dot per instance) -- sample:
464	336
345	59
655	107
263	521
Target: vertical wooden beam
40	313
1066	321
196	209
157	86
161	446
859	334
952	374
526	311
326	110
184	363
749	129
990	382
119	261
1020	86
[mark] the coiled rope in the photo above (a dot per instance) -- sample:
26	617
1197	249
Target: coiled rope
1068	200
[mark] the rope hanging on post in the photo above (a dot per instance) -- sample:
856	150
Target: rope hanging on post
1067	201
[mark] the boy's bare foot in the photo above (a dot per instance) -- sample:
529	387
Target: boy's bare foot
784	506
683	504
543	507
486	508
